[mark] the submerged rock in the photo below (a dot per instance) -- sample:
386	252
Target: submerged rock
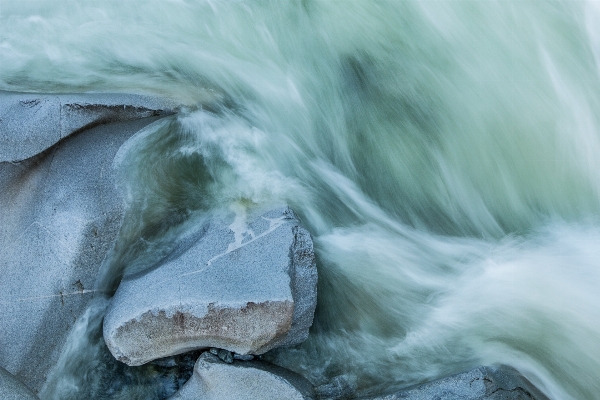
13	389
482	383
60	213
213	379
340	387
31	123
246	288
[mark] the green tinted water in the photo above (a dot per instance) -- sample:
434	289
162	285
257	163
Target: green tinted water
444	154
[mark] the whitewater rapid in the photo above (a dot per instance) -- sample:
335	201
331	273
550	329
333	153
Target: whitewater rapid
443	154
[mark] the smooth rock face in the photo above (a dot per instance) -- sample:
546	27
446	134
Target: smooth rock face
60	213
482	383
13	389
31	123
215	380
243	287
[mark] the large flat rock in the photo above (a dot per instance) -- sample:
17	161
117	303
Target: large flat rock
60	213
481	383
245	284
215	380
31	123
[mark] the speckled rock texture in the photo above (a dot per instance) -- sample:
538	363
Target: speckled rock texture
482	383
242	283
215	380
31	123
60	212
13	389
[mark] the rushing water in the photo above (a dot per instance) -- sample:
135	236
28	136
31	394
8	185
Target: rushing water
445	156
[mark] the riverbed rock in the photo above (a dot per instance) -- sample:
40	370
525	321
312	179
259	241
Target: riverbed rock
31	122
481	383
13	389
60	213
215	380
338	388
244	284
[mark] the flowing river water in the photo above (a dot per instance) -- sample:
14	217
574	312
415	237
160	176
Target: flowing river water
445	156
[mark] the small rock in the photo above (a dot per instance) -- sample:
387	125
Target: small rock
214	379
225	356
243	357
243	287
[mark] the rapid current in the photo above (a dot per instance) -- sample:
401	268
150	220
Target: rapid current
445	156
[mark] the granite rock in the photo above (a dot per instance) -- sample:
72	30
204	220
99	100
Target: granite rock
242	283
13	389
31	123
215	380
60	213
481	383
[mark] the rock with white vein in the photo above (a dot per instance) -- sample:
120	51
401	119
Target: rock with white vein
244	284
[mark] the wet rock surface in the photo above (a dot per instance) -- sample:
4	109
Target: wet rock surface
31	123
60	213
482	383
13	389
242	284
215	379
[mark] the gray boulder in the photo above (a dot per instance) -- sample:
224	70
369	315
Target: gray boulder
481	383
215	380
13	389
60	213
243	287
31	123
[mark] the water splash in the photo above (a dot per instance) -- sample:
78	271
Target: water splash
444	155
